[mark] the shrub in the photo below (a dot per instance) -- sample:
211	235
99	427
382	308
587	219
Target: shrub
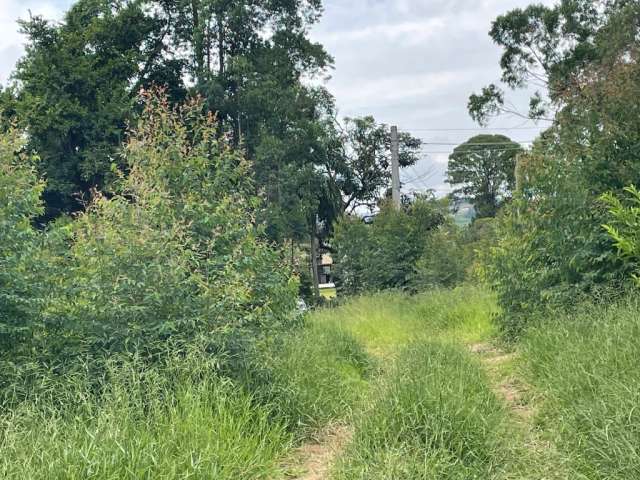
382	255
551	251
20	204
172	256
624	226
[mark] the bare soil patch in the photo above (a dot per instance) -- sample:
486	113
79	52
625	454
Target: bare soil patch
314	459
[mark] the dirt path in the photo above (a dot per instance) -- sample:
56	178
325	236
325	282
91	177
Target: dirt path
506	384
500	367
314	459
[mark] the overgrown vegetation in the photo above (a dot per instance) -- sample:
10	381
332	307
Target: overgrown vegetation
149	275
434	417
186	414
552	251
383	255
585	367
172	256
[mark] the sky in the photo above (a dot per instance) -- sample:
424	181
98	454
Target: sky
410	63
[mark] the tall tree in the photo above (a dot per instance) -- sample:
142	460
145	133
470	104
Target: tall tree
483	169
358	161
555	221
76	87
548	49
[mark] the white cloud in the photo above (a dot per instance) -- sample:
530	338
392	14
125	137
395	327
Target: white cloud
414	63
11	41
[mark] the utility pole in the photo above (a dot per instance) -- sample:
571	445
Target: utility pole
395	167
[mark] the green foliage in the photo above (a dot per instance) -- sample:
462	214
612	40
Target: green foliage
586	366
444	261
383	255
483	170
552	250
624	225
20	203
175	253
309	377
173	256
550	48
433	417
76	89
454	254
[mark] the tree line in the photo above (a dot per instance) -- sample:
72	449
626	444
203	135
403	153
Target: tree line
556	223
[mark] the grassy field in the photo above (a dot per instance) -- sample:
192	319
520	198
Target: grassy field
586	370
418	382
386	322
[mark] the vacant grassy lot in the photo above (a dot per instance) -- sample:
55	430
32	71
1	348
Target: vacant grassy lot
417	386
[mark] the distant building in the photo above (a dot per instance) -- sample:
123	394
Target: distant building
325	276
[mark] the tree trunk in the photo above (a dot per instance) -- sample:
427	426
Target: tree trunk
198	40
314	259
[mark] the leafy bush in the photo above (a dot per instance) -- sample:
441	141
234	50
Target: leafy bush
453	254
382	255
171	256
586	367
551	250
624	226
444	260
20	204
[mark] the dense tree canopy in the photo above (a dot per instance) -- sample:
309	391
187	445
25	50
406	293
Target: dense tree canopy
76	88
483	170
552	249
383	255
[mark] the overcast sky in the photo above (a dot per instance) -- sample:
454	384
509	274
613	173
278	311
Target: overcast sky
412	63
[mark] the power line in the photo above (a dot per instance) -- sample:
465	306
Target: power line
421	178
477	144
470	129
475	151
497	147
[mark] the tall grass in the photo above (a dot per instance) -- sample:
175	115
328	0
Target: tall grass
143	425
387	321
310	378
586	367
434	416
180	417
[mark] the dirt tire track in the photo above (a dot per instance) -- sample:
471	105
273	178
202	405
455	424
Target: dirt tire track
315	459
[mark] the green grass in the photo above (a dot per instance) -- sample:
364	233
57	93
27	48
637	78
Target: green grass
387	321
433	417
396	367
312	377
181	419
586	369
135	430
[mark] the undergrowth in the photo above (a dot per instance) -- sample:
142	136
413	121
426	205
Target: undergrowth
387	321
183	418
434	416
586	368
